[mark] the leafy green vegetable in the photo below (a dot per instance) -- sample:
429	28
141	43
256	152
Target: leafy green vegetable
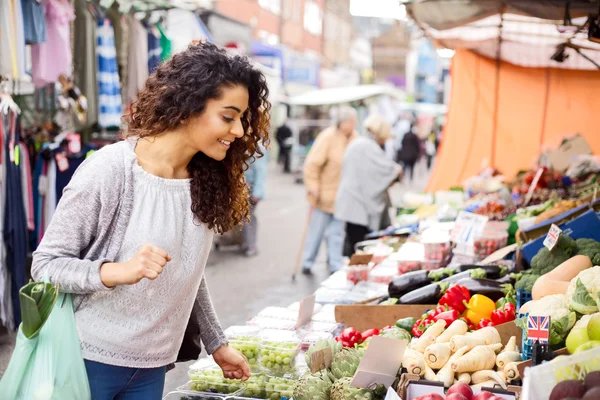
589	248
546	260
582	301
526	282
37	300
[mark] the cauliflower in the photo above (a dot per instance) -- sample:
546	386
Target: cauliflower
584	291
562	319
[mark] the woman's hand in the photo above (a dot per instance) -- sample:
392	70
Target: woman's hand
148	262
232	362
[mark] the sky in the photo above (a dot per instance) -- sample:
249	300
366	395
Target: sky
377	8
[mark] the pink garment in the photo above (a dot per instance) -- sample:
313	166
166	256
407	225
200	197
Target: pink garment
52	58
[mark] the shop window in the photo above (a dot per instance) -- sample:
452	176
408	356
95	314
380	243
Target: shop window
271	5
313	18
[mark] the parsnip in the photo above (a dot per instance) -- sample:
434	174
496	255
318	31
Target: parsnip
487	384
486	375
481	357
429	336
507	357
465	377
490	334
468	340
458	327
429	374
417	366
511	345
511	371
437	355
445	374
409	355
501	375
496	347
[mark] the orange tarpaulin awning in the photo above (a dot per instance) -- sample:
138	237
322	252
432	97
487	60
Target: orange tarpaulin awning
536	109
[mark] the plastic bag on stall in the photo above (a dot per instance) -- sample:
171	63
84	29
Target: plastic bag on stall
47	363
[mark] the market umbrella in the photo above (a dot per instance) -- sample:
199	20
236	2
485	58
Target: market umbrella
37	301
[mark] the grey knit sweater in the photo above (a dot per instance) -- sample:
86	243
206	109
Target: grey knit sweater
88	229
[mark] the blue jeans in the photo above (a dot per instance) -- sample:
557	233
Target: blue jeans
109	382
322	223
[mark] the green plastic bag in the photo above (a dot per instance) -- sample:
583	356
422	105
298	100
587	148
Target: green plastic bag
49	364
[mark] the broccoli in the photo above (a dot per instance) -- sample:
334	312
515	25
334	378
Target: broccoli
526	282
589	248
546	260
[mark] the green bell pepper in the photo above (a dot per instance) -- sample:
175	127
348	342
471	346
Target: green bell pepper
406	323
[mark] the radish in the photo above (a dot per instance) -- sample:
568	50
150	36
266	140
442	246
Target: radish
462	389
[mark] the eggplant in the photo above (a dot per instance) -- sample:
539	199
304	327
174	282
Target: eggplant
491	271
409	281
464	275
506	279
493	289
429	294
404	283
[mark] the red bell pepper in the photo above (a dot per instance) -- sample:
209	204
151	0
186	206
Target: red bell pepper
456	298
484	323
420	327
505	314
430	315
370	332
469	324
449	316
350	337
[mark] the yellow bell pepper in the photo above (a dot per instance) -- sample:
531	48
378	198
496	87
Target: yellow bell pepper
479	307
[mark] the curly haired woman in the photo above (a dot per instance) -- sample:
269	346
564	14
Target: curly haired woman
131	235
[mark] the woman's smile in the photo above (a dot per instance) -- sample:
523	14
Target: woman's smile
225	143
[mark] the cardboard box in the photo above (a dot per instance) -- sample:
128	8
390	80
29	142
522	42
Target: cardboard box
363	317
560	158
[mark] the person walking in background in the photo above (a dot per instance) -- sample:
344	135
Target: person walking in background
322	170
256	175
430	149
284	140
410	151
366	175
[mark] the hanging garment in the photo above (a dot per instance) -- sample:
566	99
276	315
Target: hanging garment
137	63
50	195
64	175
85	62
6	309
165	43
109	89
182	27
154	49
15	225
121	28
34	21
52	58
12	39
26	188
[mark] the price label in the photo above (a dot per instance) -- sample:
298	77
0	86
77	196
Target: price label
468	227
305	313
320	360
381	362
552	237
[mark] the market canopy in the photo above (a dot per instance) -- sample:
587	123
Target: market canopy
523	32
342	95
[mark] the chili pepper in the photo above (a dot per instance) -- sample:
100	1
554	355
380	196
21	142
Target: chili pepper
420	327
456	297
370	332
505	314
484	322
509	298
350	337
469	324
406	323
449	316
430	315
479	307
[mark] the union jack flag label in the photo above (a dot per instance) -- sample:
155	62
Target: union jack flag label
538	328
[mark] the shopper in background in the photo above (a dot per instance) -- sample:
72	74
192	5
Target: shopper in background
366	175
430	149
256	175
284	140
410	151
322	170
131	234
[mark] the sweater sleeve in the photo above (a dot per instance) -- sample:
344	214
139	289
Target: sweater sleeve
316	159
211	332
72	229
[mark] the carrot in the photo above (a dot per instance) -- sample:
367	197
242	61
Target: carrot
458	327
469	340
445	375
429	336
481	357
437	355
486	375
490	334
465	377
511	371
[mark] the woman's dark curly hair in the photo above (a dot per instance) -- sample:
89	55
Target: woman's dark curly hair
178	90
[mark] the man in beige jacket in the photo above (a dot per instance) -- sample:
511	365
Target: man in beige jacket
322	171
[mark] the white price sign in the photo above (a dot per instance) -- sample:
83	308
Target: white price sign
552	237
468	227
